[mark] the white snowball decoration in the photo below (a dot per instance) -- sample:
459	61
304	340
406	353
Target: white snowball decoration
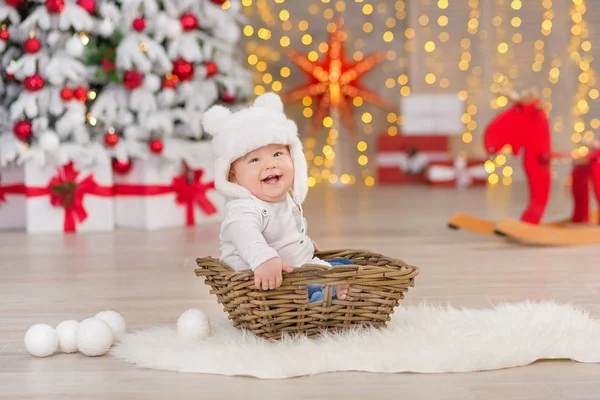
49	141
66	335
193	324
115	321
106	28
75	46
94	337
152	82
41	340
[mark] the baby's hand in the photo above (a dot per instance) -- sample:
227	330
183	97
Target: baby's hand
268	274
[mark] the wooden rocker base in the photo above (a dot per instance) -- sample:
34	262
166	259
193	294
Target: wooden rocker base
549	235
489	227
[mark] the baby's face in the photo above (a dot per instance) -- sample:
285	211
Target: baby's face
267	172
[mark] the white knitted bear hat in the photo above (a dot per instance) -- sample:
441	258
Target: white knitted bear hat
235	134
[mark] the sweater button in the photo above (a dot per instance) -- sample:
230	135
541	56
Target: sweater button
302	241
264	212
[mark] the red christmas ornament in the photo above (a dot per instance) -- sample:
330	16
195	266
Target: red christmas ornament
33	83
228	97
66	94
219	2
111	139
183	69
170	81
188	22
22	130
10	76
87	5
156	146
32	45
55	6
4	34
121	167
14	3
132	79
80	94
139	24
107	66
211	69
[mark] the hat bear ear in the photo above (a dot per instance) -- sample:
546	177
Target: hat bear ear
270	101
213	117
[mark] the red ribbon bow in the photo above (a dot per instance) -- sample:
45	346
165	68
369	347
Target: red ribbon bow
66	192
190	191
188	188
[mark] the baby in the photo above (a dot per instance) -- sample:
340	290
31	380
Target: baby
261	169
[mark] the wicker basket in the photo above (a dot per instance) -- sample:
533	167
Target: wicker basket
377	284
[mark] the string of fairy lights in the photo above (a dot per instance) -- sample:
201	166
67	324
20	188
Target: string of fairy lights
579	52
280	29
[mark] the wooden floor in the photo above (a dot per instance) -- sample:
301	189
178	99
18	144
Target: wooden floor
148	277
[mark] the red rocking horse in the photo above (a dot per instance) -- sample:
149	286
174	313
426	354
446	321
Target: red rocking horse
525	127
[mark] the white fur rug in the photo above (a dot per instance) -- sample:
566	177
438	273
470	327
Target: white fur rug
421	339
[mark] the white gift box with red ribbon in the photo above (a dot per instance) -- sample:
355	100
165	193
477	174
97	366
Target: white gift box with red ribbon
171	190
404	159
12	197
459	173
56	194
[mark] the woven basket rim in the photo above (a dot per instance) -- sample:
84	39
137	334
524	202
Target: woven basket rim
319	271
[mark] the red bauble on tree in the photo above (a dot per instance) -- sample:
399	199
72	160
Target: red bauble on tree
111	139
188	22
14	3
4	34
66	94
169	81
121	167
33	83
183	69
87	5
107	66
211	68
80	94
22	130
156	146
55	6
139	24
132	79
228	97
218	2
32	45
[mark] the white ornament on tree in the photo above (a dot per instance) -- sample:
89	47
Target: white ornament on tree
49	141
75	46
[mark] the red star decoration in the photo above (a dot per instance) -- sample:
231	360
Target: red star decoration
333	81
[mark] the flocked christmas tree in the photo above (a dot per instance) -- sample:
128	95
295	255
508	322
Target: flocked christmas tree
159	70
10	145
45	60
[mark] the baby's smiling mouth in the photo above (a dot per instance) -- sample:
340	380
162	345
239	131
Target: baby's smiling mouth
274	178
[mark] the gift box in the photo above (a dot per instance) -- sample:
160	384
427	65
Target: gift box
69	197
404	159
12	197
164	192
460	172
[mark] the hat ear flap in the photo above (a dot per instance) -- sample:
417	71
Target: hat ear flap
270	101
213	118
